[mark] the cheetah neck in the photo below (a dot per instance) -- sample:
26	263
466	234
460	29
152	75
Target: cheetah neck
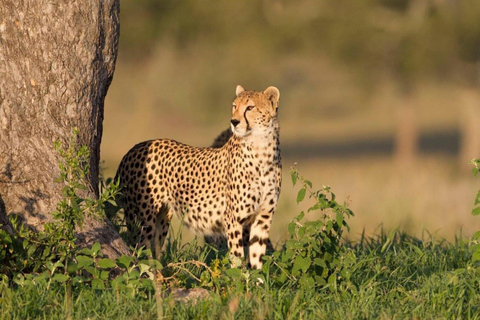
262	137
265	145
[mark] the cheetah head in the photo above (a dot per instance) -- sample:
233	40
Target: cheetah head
254	113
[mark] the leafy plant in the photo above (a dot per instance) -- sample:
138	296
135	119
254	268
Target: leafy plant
476	211
52	254
476	170
314	254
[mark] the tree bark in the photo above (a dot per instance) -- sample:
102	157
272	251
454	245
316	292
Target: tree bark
57	59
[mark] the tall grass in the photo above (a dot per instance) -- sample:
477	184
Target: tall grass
395	276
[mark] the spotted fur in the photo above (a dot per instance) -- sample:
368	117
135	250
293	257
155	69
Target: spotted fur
231	190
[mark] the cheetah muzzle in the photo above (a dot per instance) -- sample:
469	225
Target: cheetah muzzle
230	191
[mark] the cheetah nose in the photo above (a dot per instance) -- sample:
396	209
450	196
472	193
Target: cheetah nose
234	122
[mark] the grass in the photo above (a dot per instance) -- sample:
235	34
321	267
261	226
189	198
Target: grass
396	276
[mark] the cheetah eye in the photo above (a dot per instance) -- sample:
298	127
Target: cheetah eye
234	107
250	108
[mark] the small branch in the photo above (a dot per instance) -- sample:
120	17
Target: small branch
180	265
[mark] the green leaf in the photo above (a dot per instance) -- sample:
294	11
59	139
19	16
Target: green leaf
134	274
301	232
320	280
476	235
85	251
332	280
476	256
104	275
300	216
320	262
477	198
294	177
106	263
84	261
308	182
301	263
301	195
60	277
46	252
31	250
329	226
124	261
92	270
98	284
475	248
327	257
144	268
78	279
118	282
154	264
282	278
96	248
306	281
346	273
340	218
72	267
476	211
234	273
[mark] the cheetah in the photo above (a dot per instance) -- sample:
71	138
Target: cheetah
219	241
229	191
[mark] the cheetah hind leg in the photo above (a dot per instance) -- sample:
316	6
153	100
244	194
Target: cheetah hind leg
162	224
246	240
217	241
220	241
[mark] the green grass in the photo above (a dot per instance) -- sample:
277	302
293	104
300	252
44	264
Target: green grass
314	275
394	277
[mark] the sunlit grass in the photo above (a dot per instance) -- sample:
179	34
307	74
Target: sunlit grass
395	276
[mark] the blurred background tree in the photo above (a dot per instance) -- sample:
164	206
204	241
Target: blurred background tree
380	98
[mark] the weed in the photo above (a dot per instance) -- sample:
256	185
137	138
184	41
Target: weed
476	211
314	254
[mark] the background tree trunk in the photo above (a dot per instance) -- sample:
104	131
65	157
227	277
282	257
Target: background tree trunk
57	59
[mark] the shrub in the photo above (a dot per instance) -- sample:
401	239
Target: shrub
314	254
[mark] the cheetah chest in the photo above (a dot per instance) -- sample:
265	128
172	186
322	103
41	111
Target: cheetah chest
255	183
242	191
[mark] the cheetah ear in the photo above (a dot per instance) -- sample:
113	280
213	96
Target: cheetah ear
239	90
273	95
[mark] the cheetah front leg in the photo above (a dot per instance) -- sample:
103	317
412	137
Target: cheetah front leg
234	238
259	236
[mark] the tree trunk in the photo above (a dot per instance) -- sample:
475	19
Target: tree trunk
57	59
